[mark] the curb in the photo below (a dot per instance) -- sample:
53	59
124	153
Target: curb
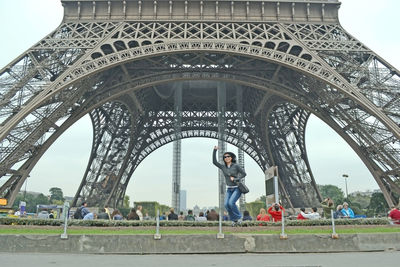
193	244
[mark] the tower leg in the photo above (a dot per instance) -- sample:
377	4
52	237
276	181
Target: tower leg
176	156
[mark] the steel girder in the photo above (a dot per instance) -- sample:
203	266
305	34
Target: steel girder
89	66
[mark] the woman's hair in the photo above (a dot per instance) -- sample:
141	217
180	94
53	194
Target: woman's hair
339	207
115	212
233	156
262	211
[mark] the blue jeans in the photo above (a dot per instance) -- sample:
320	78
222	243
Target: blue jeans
231	196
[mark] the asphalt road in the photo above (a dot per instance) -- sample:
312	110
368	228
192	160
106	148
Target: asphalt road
364	259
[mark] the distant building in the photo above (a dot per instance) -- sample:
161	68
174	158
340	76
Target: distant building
182	201
196	210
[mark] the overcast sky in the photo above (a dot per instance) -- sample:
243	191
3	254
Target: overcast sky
25	22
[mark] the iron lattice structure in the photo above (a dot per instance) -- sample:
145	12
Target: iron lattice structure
123	62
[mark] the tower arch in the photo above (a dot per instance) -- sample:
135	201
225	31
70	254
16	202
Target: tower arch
299	66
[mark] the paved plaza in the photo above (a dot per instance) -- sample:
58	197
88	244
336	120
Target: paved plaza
365	259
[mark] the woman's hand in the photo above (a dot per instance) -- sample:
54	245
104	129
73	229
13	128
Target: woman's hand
216	147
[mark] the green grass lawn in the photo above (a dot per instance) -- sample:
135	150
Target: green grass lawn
12	230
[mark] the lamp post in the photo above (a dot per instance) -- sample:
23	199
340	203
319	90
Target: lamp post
345	176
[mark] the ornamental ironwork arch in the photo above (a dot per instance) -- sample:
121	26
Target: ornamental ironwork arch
122	67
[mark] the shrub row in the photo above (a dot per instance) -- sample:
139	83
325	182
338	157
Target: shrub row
124	223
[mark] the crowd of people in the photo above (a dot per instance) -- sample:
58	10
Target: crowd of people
272	214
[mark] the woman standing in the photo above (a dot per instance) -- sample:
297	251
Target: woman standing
232	173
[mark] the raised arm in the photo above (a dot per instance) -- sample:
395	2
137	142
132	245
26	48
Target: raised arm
214	158
306	215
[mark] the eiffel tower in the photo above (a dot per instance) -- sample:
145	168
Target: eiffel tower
248	73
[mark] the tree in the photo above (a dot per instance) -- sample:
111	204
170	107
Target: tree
126	201
31	201
363	200
377	205
254	207
333	192
56	195
263	199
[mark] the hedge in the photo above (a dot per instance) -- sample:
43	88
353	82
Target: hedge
125	223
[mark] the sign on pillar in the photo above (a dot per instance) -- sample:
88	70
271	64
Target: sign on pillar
271	186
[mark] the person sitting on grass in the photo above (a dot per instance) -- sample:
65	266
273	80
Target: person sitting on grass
263	216
299	216
172	215
246	216
314	215
347	211
189	216
132	215
338	213
394	215
201	217
116	215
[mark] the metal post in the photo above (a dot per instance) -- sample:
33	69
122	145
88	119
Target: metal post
345	176
276	192
66	215
283	235
334	234
221	96
157	235
239	108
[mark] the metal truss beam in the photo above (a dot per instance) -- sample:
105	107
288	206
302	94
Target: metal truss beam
119	60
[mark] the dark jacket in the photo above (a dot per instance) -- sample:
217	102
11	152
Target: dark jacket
234	170
212	216
172	217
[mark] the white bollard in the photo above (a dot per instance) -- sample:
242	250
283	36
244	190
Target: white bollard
157	235
283	236
66	215
334	234
220	235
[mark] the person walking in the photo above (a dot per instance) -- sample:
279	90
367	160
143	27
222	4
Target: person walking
232	173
